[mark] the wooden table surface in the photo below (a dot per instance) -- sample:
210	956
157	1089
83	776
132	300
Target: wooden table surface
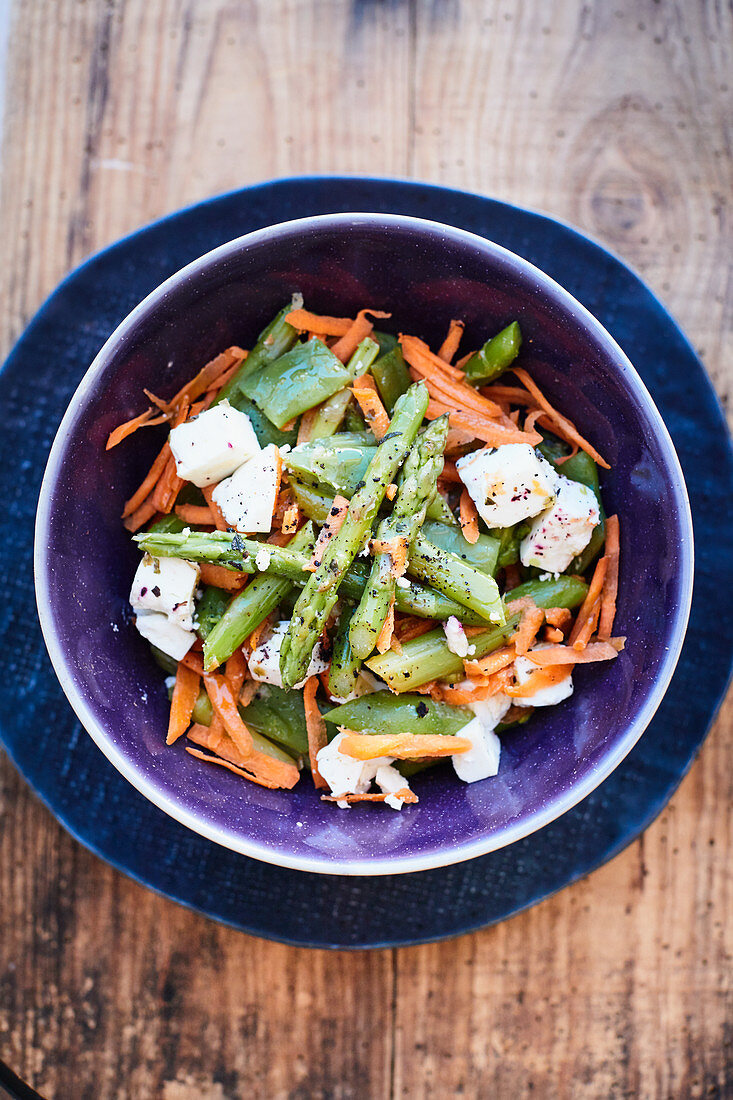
611	114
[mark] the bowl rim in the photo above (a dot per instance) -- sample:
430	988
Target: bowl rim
439	857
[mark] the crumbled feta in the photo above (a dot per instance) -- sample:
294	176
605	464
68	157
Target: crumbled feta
343	773
262	560
264	661
545	697
402	582
482	759
563	530
508	484
213	445
390	782
168	586
247	498
165	634
455	637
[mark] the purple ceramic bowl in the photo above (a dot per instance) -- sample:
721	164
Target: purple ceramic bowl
426	274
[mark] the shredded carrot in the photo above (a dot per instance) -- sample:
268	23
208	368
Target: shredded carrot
331	527
511	395
558	616
140	516
200	515
168	488
588	628
566	655
405	794
307	422
248	692
391	491
482	689
316	727
571	432
149	483
193	661
360	328
221	523
365	391
457	394
592	597
530	623
402	746
480	427
418	355
468	518
185	694
235	672
290	425
396	548
318	324
545	677
225	705
457	440
291	518
254	638
449	347
561	461
472	631
410	628
384	640
157	401
395	644
123	430
230	580
261	769
208	376
450	474
553	634
610	584
494	662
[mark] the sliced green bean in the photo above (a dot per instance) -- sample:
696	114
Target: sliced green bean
495	356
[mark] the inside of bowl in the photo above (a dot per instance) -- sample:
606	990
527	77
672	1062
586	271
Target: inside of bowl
424	277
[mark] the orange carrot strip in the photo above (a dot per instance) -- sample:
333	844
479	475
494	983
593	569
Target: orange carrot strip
235	672
290	519
542	678
221	523
553	634
331	527
414	628
360	328
140	516
123	430
566	655
482	428
316	727
149	483
318	324
168	488
384	640
530	623
418	355
565	458
402	746
558	616
229	579
593	595
491	685
449	347
408	797
254	638
365	391
561	421
225	705
456	440
450	473
610	585
261	769
589	625
307	421
185	694
196	514
512	395
193	661
457	394
468	518
495	661
391	491
248	692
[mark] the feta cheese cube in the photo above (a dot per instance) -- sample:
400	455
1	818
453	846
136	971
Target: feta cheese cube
482	759
264	661
508	484
545	697
213	445
168	586
455	637
390	782
165	634
563	530
247	498
343	773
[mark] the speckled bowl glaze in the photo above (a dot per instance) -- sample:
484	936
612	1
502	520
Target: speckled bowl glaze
426	273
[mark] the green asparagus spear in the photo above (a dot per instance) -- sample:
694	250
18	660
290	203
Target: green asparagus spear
321	591
418	483
495	356
456	578
250	607
383	712
273	342
217	547
345	665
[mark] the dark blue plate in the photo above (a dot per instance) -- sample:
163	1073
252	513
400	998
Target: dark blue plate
105	813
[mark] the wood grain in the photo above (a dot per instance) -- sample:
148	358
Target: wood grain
612	115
